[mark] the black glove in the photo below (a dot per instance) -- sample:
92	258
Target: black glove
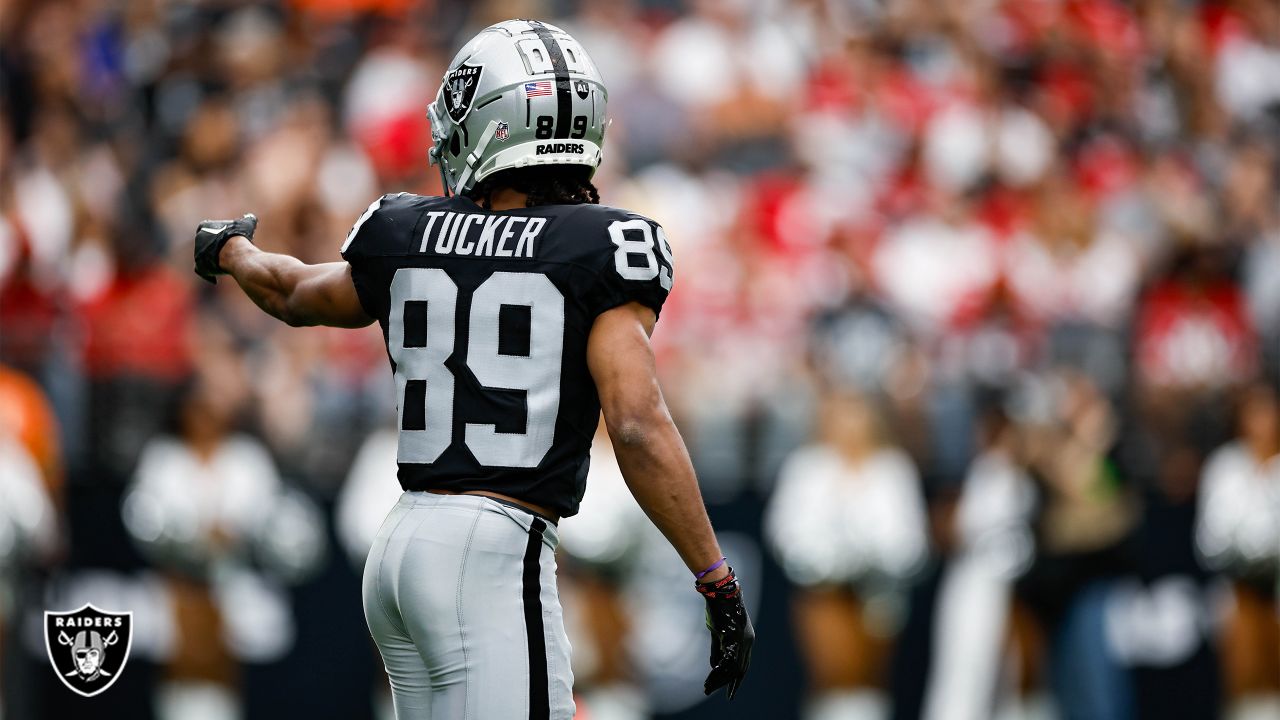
731	634
211	235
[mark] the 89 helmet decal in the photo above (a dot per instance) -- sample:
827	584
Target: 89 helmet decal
529	82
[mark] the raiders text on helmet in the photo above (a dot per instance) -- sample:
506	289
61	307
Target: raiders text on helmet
520	93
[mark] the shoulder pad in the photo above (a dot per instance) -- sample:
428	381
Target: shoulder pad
630	254
386	224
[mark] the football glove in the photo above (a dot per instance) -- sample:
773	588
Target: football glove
731	634
211	235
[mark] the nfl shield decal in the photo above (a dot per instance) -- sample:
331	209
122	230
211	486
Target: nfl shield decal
88	648
502	131
460	90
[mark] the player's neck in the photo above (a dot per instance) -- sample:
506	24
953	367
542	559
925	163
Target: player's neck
507	199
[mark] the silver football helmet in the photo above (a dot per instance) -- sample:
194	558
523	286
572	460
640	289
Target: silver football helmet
520	93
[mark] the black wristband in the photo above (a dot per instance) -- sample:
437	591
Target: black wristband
726	588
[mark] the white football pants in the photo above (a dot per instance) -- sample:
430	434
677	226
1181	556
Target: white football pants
460	597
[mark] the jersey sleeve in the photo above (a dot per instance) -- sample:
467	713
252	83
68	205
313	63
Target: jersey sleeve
358	251
636	265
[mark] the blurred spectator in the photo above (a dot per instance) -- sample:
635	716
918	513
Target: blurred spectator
936	263
30	490
856	344
1248	58
208	504
1238	532
1253	217
27	419
1085	517
30	495
976	637
847	524
1066	269
704	62
27	527
1193	330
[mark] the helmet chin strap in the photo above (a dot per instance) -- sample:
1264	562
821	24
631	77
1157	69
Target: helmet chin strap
444	179
475	155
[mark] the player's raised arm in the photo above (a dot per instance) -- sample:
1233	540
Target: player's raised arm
282	285
657	469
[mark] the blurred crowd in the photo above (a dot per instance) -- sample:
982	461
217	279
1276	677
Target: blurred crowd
975	339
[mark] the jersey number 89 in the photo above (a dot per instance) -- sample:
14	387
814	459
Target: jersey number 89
425	386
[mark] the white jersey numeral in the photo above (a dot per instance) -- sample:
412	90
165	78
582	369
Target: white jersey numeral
423	361
538	373
630	245
664	247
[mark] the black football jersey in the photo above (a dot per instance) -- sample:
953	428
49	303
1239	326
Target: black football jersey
486	316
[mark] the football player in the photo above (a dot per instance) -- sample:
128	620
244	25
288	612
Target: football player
514	309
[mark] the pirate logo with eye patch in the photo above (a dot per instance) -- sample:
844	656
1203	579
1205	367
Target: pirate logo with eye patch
460	90
88	648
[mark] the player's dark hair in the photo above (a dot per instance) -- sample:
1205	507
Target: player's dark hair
542	184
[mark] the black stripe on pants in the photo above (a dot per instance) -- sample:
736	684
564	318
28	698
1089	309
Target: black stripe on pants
539	685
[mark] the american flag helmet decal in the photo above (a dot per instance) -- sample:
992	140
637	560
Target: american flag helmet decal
541	88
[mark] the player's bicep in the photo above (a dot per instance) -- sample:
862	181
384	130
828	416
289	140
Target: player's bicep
622	365
326	295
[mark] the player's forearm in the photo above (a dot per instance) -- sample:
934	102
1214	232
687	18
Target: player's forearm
269	279
656	466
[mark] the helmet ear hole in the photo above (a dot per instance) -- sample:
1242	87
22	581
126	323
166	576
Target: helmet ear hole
455	144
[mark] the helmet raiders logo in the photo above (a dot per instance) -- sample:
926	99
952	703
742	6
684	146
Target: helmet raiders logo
88	648
460	90
582	88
